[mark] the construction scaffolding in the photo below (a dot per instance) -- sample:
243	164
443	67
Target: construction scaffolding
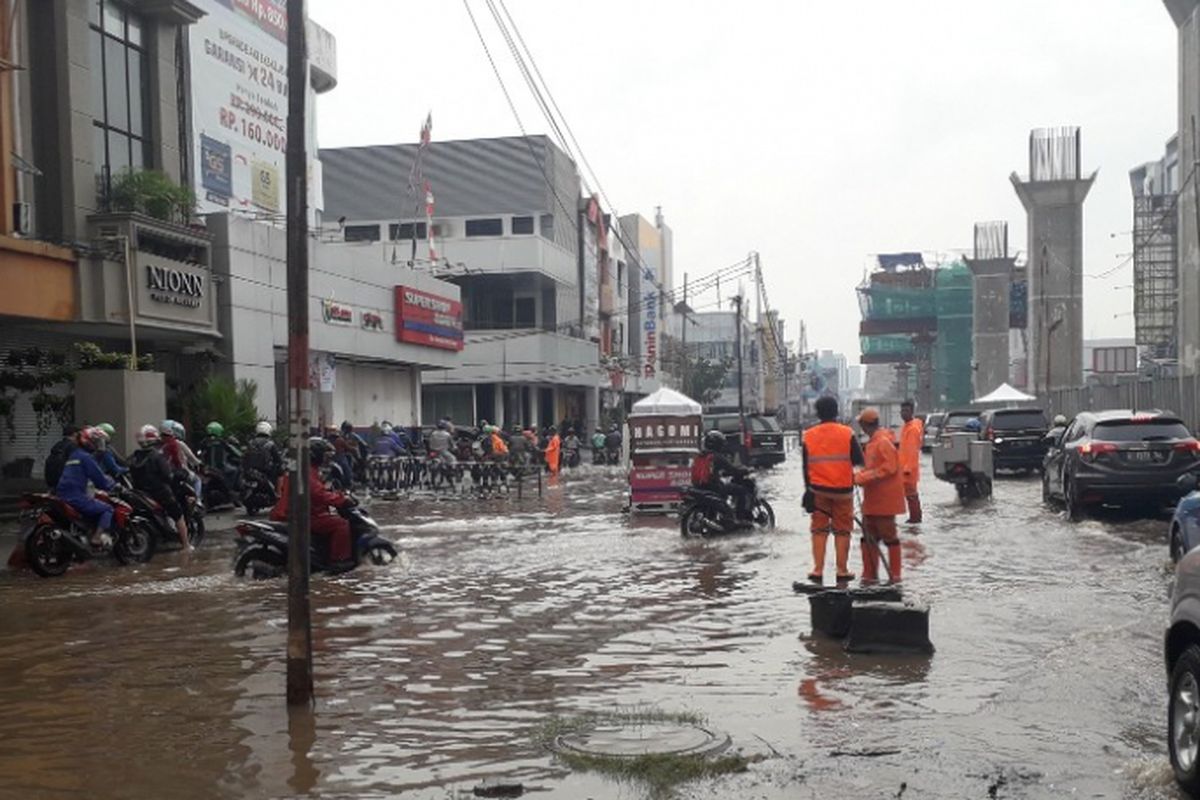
1155	286
953	352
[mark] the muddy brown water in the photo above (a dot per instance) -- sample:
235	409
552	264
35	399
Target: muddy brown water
435	673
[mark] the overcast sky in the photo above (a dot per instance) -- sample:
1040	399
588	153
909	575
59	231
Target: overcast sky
815	133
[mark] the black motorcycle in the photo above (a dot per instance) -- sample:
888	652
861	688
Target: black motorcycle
571	458
708	513
263	546
218	492
258	492
155	516
54	535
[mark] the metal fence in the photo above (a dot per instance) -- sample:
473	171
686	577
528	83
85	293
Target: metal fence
1178	395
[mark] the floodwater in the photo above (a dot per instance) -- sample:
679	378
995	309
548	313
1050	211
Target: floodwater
436	672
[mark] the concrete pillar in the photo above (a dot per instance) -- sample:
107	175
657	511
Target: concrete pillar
498	406
992	286
1184	14
923	346
535	407
1055	253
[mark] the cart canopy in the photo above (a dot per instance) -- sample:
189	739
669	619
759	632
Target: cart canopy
666	402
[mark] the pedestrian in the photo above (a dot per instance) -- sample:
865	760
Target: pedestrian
830	453
882	485
912	435
553	450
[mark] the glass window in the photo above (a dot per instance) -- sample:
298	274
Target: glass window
1125	430
361	233
405	230
1019	420
120	111
547	226
522	225
485	227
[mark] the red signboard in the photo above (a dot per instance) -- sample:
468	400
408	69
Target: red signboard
658	484
428	320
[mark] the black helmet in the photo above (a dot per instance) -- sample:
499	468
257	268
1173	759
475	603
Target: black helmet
347	428
715	441
318	449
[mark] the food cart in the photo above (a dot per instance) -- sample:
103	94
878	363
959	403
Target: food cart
662	439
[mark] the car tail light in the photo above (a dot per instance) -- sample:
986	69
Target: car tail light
990	433
747	440
1190	446
1091	450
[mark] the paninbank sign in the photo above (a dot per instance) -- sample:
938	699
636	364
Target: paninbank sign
428	319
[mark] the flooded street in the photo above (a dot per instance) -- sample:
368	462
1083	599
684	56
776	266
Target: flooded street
437	672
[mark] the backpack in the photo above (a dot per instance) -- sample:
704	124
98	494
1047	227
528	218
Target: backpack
702	469
257	456
57	460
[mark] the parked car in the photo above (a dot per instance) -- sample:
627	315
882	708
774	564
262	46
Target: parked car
1118	458
1182	654
933	424
956	421
1017	436
760	445
1185	522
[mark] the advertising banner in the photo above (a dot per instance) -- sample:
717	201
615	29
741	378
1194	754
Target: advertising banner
658	485
428	320
664	434
240	105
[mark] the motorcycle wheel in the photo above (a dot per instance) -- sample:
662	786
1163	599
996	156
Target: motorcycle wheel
260	562
693	522
48	557
380	553
135	544
763	516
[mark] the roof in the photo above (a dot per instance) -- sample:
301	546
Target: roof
469	177
667	402
1005	394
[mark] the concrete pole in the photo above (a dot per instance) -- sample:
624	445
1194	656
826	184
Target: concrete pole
299	637
992	285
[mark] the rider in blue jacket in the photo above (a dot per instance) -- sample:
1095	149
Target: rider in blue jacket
80	469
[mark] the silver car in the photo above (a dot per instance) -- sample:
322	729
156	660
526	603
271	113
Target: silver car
933	424
1182	651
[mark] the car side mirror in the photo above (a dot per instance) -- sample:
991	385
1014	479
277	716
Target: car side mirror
1188	482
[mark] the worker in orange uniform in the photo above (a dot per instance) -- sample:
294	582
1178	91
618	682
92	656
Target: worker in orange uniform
911	437
553	450
830	452
499	448
883	497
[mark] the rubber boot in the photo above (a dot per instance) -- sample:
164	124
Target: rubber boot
841	546
819	542
870	557
914	509
893	549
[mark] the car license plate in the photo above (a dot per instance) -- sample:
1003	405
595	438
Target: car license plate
1145	456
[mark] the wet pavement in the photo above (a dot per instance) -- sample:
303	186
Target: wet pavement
438	672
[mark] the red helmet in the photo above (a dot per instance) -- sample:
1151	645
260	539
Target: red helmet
90	438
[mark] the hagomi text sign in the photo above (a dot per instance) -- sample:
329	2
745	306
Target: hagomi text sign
664	434
428	320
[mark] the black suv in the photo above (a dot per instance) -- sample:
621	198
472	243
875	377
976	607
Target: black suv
1017	436
761	445
1118	458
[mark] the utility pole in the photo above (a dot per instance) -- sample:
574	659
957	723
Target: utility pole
737	301
299	637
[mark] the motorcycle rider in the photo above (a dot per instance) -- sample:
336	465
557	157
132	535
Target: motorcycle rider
110	463
499	451
262	455
151	473
221	457
612	444
58	455
324	523
80	469
571	446
179	455
441	444
712	465
598	439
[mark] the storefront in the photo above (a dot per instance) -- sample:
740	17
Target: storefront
374	327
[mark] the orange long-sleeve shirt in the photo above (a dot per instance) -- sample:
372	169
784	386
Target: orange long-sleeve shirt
911	437
881	479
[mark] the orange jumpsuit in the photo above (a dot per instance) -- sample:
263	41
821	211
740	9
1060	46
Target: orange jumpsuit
883	498
553	452
830	453
911	437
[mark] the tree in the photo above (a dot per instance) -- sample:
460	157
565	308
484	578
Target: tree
231	404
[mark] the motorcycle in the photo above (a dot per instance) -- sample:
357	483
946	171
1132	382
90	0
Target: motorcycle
571	458
218	491
707	513
599	458
263	546
258	492
162	525
55	535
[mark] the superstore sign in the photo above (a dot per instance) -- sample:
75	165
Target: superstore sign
428	320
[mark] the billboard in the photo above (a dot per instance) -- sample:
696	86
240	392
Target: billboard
240	107
428	320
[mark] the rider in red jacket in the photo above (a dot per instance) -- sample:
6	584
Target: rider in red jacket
324	522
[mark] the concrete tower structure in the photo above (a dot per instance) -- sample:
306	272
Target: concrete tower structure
1053	196
1187	20
991	271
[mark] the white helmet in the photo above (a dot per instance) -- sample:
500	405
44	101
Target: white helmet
386	427
264	428
148	436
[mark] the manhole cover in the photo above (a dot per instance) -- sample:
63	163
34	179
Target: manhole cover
633	741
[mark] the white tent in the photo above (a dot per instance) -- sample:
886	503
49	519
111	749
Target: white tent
666	402
1005	394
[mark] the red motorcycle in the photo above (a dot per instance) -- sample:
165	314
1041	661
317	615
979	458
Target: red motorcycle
55	535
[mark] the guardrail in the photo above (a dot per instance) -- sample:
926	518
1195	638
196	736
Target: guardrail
390	478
